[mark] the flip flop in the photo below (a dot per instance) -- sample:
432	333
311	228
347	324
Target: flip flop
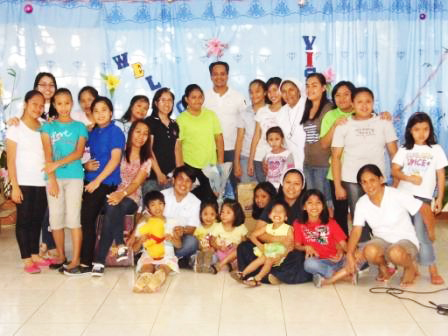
252	282
238	276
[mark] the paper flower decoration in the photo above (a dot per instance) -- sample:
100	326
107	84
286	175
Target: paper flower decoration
329	75
215	47
112	82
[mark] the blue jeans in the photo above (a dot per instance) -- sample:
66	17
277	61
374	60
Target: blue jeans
426	255
244	177
189	246
316	178
324	267
112	229
230	190
259	172
150	185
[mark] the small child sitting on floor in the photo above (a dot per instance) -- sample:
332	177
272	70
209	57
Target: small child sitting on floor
269	254
154	234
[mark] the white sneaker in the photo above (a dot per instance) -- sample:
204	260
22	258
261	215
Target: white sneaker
122	253
97	270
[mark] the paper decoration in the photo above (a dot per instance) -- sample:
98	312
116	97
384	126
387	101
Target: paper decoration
112	83
28	9
309	68
215	48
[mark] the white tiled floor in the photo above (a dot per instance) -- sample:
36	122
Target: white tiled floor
202	304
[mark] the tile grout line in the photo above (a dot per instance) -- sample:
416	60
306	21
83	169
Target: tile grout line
101	305
160	305
283	309
220	306
345	310
412	316
40	306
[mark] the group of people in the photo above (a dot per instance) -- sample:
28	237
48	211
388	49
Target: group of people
315	161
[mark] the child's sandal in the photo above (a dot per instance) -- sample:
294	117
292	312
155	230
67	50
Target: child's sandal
252	282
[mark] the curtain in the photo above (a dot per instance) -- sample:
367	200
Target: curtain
395	47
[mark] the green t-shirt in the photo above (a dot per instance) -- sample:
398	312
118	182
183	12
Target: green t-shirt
327	122
197	134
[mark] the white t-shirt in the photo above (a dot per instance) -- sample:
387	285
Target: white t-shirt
364	142
81	116
228	108
423	161
185	212
30	158
289	121
266	119
247	122
390	221
277	165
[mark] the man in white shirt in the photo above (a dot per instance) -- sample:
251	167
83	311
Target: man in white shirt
387	211
228	105
182	206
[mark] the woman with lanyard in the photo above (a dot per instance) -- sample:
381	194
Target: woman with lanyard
289	117
291	269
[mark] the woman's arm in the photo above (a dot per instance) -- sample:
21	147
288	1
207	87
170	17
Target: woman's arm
219	140
253	148
53	188
325	141
11	155
398	175
117	196
75	155
114	161
255	235
178	153
336	166
238	147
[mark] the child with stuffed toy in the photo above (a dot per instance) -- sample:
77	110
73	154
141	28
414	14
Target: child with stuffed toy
154	234
269	254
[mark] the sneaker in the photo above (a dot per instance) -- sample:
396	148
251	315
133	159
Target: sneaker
122	253
317	280
57	265
98	270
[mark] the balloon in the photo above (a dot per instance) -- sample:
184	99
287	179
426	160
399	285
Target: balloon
28	9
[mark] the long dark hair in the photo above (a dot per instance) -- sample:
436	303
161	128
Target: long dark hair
369	168
280	193
269	189
418	117
61	91
324	215
145	150
52	111
309	103
155	99
128	114
273	81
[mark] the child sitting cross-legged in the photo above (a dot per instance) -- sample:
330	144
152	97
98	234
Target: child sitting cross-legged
269	254
322	240
154	235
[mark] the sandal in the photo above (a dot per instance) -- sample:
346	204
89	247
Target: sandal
252	282
436	279
238	276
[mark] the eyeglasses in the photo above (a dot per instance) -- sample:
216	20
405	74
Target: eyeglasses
49	85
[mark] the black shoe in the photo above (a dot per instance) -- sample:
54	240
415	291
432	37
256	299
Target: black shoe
122	253
78	271
58	266
184	263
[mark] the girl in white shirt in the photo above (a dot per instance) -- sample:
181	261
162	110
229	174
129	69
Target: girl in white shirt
419	165
25	160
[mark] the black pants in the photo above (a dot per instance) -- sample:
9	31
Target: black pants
204	191
30	214
340	209
290	271
92	204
